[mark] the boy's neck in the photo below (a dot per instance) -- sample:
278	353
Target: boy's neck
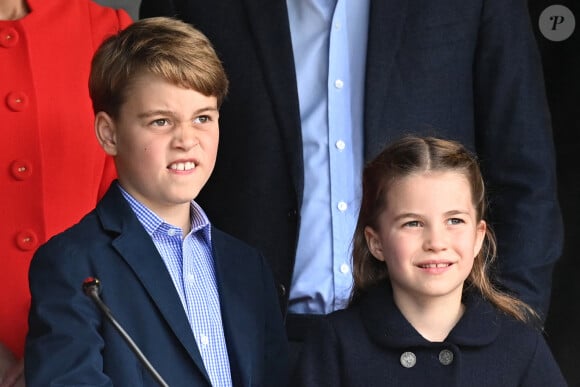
13	9
432	317
178	216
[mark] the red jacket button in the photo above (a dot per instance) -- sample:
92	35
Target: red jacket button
8	37
21	169
17	101
26	240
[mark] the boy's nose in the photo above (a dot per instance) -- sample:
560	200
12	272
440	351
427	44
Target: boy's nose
186	137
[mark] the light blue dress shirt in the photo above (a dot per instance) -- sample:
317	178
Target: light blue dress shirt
189	261
329	39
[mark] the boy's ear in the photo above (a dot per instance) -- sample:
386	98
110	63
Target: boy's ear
374	243
106	132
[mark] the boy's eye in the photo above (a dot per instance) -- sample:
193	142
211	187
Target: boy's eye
201	119
160	122
454	221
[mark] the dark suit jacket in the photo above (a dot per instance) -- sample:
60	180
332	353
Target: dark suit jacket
70	342
364	346
467	70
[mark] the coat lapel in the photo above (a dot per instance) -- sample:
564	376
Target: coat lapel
271	32
137	249
386	22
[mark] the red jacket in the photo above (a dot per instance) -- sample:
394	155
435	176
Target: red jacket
52	168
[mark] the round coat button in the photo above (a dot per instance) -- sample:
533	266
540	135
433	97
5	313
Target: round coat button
408	359
17	101
445	357
21	169
8	37
281	290
26	240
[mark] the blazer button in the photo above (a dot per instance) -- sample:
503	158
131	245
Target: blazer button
445	357
21	169
17	101
26	240
408	359
8	37
281	290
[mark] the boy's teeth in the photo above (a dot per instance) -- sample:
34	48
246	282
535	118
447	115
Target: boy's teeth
183	166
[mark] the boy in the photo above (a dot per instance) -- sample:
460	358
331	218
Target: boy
200	305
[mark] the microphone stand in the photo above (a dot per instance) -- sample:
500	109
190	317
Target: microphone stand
91	287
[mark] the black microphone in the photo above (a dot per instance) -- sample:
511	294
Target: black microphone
91	287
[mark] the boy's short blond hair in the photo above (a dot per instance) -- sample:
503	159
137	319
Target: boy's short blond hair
165	47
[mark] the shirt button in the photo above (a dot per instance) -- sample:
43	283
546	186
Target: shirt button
340	144
17	101
344	268
21	169
26	240
408	359
171	232
204	340
342	206
8	37
339	84
337	25
445	357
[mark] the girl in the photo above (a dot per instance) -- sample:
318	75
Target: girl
423	310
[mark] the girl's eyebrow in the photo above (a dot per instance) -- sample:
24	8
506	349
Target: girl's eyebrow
414	215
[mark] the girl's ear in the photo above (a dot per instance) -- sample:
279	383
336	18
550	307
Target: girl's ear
374	243
480	233
106	132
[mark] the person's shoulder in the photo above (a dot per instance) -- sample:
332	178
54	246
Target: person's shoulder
79	236
105	20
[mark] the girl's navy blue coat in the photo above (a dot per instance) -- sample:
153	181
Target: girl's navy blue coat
372	344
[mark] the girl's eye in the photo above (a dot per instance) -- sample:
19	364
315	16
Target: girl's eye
454	221
413	223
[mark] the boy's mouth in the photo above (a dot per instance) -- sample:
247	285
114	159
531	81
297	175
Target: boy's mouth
182	166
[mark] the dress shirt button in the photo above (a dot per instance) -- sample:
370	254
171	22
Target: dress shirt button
21	169
8	37
26	240
445	357
340	145
344	268
342	206
171	232
408	359
337	25
339	84
17	101
204	340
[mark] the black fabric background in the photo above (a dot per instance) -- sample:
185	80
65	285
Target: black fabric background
561	61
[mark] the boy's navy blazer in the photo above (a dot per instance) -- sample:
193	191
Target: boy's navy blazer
70	343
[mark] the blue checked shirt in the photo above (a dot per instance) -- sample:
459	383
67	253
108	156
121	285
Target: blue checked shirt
189	261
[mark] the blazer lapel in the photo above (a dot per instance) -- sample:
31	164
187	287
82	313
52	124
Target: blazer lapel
386	22
137	249
237	311
271	31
